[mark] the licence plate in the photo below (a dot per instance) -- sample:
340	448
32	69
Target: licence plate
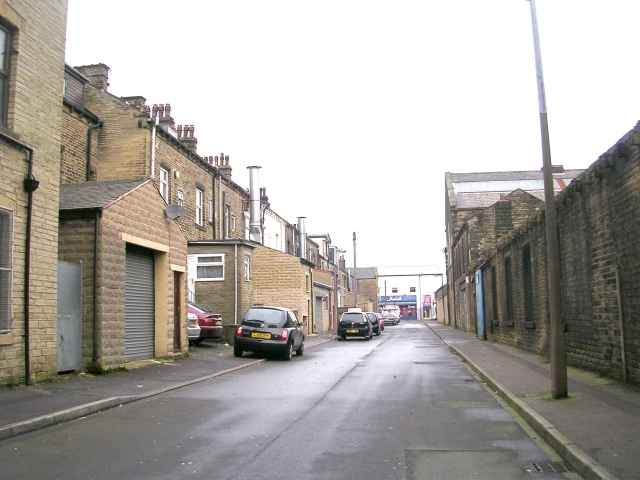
352	331
260	335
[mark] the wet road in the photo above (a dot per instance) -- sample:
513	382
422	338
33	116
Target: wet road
400	406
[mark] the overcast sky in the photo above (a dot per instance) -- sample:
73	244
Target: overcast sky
355	109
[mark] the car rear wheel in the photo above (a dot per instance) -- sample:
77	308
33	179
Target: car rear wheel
289	352
237	352
300	351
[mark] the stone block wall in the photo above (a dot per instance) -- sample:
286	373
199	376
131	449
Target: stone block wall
282	280
599	223
34	117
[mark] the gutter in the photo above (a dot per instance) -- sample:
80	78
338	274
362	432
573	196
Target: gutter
30	185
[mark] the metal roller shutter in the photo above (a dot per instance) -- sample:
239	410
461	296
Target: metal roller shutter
139	304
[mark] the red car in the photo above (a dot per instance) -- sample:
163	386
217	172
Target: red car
210	323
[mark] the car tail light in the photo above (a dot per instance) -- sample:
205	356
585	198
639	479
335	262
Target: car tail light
239	331
285	335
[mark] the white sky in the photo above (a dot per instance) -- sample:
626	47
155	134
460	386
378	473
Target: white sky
355	109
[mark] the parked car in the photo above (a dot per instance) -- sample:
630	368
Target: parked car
354	324
270	330
193	329
375	323
210	323
390	319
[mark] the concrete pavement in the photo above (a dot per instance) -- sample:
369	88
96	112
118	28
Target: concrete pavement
596	430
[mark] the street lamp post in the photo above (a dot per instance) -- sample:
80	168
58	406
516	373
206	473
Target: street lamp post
558	353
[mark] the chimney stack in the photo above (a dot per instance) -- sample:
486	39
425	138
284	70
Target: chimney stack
223	166
97	74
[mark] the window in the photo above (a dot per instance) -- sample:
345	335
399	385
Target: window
181	198
199	200
6	272
247	268
226	221
210	215
528	286
164	184
508	281
5	42
209	267
494	294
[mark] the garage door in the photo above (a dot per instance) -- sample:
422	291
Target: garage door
139	304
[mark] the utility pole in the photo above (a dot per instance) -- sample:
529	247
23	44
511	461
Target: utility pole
355	276
558	352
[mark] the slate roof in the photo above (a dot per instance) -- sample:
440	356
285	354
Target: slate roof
483	189
96	195
365	272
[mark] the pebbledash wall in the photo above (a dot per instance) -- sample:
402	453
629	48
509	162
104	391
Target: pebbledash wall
599	226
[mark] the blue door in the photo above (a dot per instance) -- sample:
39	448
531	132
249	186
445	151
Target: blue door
482	334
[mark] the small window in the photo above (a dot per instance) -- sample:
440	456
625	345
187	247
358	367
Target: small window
6	268
164	184
209	267
247	268
5	42
181	198
199	204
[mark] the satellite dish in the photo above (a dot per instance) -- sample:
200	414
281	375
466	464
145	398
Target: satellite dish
174	211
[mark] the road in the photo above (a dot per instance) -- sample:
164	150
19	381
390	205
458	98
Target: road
400	406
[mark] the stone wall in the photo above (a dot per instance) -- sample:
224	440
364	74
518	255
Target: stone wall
34	117
599	223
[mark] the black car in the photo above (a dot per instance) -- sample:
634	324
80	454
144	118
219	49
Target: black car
375	323
269	330
354	324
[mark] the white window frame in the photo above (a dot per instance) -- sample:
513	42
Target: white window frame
199	202
164	184
247	267
6	269
211	260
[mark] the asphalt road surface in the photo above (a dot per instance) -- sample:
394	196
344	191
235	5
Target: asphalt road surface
400	406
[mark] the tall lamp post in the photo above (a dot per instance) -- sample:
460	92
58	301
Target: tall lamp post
558	353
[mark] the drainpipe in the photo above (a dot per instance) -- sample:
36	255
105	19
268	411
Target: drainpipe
95	286
153	146
235	306
213	203
30	185
89	136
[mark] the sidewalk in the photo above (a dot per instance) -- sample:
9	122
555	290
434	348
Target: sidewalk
596	430
25	409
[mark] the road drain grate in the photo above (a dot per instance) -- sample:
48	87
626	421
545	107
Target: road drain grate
555	467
